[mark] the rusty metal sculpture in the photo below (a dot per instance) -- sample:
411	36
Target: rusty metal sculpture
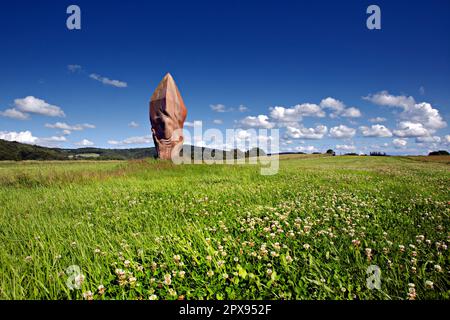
167	115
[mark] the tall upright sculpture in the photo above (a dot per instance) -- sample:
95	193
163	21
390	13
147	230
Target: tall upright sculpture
167	115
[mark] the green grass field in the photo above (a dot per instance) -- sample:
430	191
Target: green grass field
153	230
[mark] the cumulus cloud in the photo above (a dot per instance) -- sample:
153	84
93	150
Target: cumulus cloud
342	132
447	139
345	147
305	149
23	136
28	138
133	124
84	143
418	119
399	143
14	114
107	81
193	124
32	104
218	108
429	139
407	129
296	113
339	109
307	133
376	130
67	128
132	140
261	121
377	119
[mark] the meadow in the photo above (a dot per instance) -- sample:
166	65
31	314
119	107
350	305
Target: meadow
153	230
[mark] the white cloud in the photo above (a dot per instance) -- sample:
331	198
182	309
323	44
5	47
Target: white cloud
296	113
418	113
107	81
305	149
217	121
345	147
67	128
28	138
342	132
218	108
376	130
14	114
193	124
133	124
411	129
242	108
447	139
307	133
377	119
383	98
339	109
351	113
23	136
429	139
261	121
84	143
74	67
132	140
32	104
399	143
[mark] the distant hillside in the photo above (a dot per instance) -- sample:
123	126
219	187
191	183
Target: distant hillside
19	151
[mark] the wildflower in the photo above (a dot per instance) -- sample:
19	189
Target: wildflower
209	258
28	258
97	250
413	269
88	295
210	273
177	258
306	246
411	291
181	274
225	275
220	263
288	259
269	272
343	289
132	281
153	297
79	279
437	268
172	292
401	248
168	279
101	289
429	284
236	259
368	253
356	242
152	280
58	257
73	244
127	263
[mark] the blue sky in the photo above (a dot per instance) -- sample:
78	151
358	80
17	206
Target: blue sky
311	69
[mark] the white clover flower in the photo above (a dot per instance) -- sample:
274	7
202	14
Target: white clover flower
127	263
429	284
153	297
101	289
88	295
210	273
168	279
